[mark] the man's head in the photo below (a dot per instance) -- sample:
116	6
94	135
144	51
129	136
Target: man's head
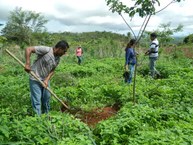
61	48
153	36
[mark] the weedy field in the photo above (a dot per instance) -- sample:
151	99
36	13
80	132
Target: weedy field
102	108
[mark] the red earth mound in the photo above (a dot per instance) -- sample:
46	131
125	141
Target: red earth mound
94	116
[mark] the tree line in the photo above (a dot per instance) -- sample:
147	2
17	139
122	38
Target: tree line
26	28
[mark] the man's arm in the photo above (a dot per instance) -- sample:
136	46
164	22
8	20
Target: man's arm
28	52
151	49
147	52
48	78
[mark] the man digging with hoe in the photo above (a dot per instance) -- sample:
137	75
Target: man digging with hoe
47	60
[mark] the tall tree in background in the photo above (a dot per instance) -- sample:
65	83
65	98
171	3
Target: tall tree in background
144	8
165	33
21	24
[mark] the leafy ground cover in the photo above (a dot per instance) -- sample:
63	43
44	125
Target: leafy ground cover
162	115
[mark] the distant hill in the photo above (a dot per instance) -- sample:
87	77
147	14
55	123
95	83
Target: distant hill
177	40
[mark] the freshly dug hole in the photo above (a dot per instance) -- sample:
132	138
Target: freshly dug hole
95	115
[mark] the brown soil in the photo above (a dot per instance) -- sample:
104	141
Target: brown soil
188	52
94	116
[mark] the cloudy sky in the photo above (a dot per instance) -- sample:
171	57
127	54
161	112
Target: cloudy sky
94	15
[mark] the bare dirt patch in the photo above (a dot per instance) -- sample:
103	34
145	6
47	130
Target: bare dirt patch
95	115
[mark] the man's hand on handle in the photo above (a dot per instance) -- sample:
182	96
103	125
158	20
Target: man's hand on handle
27	68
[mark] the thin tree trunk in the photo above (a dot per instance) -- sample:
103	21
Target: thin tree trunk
134	82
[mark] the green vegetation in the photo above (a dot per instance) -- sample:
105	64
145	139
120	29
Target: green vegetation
163	113
23	25
188	39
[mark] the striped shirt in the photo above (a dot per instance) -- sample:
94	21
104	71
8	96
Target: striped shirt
154	47
45	62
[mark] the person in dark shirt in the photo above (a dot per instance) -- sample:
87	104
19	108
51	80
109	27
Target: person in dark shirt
130	60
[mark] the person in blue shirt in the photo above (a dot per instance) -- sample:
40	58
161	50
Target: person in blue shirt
130	60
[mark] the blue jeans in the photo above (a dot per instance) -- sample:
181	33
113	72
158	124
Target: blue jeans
131	70
40	97
152	62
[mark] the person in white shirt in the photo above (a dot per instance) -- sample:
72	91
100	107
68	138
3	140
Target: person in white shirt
153	54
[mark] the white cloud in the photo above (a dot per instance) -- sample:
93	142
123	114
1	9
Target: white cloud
90	15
